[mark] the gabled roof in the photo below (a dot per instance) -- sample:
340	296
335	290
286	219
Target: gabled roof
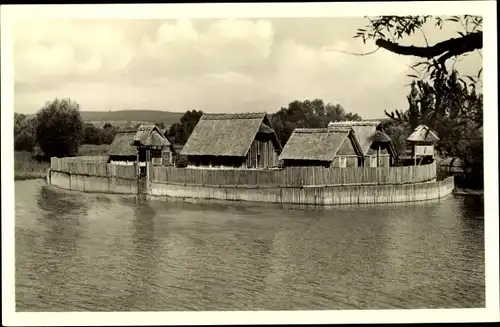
227	134
122	144
365	131
423	134
321	144
144	131
350	123
126	141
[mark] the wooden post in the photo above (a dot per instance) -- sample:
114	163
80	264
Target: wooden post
378	155
137	165
148	165
414	155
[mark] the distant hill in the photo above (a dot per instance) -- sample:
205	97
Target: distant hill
121	117
153	116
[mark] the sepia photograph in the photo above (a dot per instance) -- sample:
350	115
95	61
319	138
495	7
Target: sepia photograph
335	159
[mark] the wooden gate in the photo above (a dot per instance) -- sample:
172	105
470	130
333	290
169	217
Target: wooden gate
142	185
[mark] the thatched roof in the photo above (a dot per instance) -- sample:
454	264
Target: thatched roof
423	134
126	141
155	140
123	144
381	137
321	144
365	132
227	134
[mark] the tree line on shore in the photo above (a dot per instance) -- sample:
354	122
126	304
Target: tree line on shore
58	129
439	97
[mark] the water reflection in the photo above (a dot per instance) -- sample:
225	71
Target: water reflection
79	252
59	203
142	267
54	254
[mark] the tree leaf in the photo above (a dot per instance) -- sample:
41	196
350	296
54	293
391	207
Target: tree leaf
472	79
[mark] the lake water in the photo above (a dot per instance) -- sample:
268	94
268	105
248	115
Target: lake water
87	252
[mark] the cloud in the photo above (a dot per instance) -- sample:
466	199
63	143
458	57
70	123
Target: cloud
179	49
357	82
213	65
46	50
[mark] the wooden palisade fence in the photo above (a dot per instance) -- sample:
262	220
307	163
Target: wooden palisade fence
287	177
77	166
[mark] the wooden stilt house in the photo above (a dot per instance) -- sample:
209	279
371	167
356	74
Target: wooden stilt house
233	140
420	145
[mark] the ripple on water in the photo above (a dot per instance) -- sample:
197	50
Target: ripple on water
79	252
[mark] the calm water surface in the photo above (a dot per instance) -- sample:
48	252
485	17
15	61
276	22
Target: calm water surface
83	252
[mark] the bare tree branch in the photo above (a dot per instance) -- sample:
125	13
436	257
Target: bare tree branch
455	46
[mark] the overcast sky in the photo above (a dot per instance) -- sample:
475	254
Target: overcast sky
234	65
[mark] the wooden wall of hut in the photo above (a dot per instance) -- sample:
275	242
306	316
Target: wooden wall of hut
122	159
167	157
380	159
384	160
215	161
306	163
348	152
262	154
351	161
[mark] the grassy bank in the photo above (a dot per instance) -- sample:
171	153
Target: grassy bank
27	165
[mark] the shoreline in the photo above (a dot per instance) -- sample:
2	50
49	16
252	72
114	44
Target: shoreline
42	175
23	176
468	192
314	195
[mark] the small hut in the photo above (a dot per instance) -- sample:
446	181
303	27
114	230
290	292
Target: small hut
377	147
327	147
157	148
144	144
233	140
421	144
122	150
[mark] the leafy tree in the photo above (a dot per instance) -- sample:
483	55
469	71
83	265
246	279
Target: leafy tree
161	125
439	97
108	133
307	114
92	134
18	119
24	133
387	31
59	128
455	112
180	132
